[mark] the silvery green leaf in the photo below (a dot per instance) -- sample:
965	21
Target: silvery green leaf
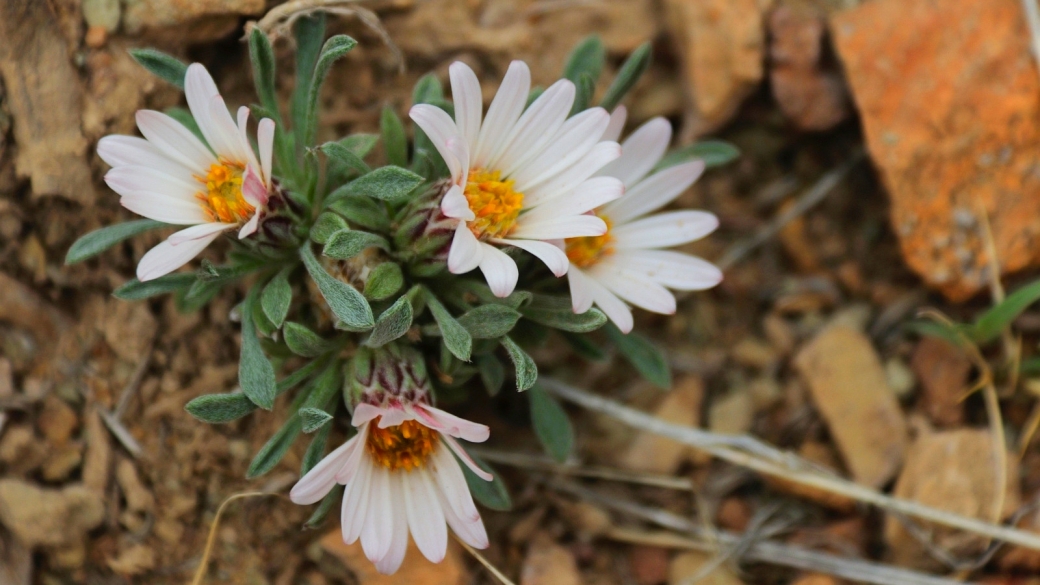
384	280
492	373
647	359
327	224
394	141
565	319
313	419
327	504
302	341
456	338
349	305
361	144
309	32
346	244
489	321
220	408
161	65
551	424
360	211
277	297
135	290
387	183
714	153
334	48
526	369
316	450
255	372
344	156
587	58
392	324
584	89
630	72
274	450
261	55
491	494
102	239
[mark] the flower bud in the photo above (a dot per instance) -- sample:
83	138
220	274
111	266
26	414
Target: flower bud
423	233
382	376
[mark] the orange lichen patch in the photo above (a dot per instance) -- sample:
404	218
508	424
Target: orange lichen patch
950	101
406	446
223	197
494	202
586	251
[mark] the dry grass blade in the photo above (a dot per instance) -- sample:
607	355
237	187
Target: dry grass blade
211	538
483	561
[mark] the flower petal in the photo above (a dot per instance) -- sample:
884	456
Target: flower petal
466	252
664	230
466	459
570	226
617	124
654	192
614	308
355	501
630	286
391	561
575	139
553	257
581	291
596	192
469	104
439	128
195	232
357	459
674	270
364	413
164	208
449	424
265	142
566	181
455	205
120	151
499	270
425	516
319	481
166	257
452	483
128	179
536	127
640	152
253	189
243	138
377	533
175	141
505	110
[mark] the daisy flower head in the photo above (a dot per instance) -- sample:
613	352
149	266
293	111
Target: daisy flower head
519	177
172	176
628	265
402	469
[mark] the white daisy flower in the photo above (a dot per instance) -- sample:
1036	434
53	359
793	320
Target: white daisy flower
172	176
518	177
401	477
627	265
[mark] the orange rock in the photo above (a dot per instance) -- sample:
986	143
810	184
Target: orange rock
656	454
548	563
950	100
649	564
943	371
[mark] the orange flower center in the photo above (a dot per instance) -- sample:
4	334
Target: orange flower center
586	251
223	198
406	446
494	202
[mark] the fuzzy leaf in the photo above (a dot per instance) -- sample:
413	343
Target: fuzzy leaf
262	57
491	494
526	369
584	346
349	306
313	419
135	290
551	424
714	153
334	48
346	244
392	324
309	32
327	224
456	338
220	408
161	65
489	321
277	297
565	319
387	183
647	359
316	450
384	280
327	505
627	77
492	373
100	240
255	372
361	144
587	58
584	89
302	341
344	156
361	211
274	450
394	141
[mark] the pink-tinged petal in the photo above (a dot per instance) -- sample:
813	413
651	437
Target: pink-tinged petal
465	457
391	561
674	270
265	141
633	288
195	232
425	516
586	197
570	226
456	206
128	179
536	127
617	124
499	270
243	138
119	151
640	152
581	292
664	230
319	481
164	208
564	183
175	141
471	532
450	424
249	228
355	501
654	192
377	533
165	257
439	128
575	139
505	110
231	143
357	459
448	477
364	413
393	416
466	252
553	257
469	105
253	189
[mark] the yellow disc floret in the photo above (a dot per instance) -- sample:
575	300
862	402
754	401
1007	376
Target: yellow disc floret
406	446
586	251
494	202
223	196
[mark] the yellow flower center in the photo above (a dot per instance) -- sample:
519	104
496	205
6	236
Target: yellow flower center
494	202
586	251
406	446
223	199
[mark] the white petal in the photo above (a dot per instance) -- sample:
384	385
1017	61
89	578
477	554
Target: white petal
211	114
364	413
674	270
552	256
391	561
563	183
633	288
469	104
440	128
586	197
617	124
165	257
164	208
120	151
265	141
234	148
654	192
575	139
425	516
393	416
452	483
249	227
355	501
640	152
243	137
357	459
455	205
465	253
614	308
198	231
571	226
536	127
581	292
319	481
175	141
129	179
466	459
448	423
505	110
499	270
377	533
664	230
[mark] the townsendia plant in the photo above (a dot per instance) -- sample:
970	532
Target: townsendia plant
371	291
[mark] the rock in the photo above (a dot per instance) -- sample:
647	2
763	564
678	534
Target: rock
649	564
98	457
102	13
754	353
43	96
815	579
62	461
900	377
733	414
943	371
811	94
952	471
138	497
129	329
49	517
20	450
824	457
949	95
690	564
847	382
415	569
200	19
548	563
655	454
734	514
16	563
722	48
137	559
57	420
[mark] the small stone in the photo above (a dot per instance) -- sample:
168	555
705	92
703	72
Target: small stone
129	329
734	514
6	378
732	415
49	517
102	15
690	564
649	564
900	377
589	519
755	353
943	370
655	454
62	461
57	420
135	560
138	497
822	456
815	579
548	563
96	37
847	382
98	457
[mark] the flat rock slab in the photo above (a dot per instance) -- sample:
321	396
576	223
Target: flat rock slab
848	385
950	100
